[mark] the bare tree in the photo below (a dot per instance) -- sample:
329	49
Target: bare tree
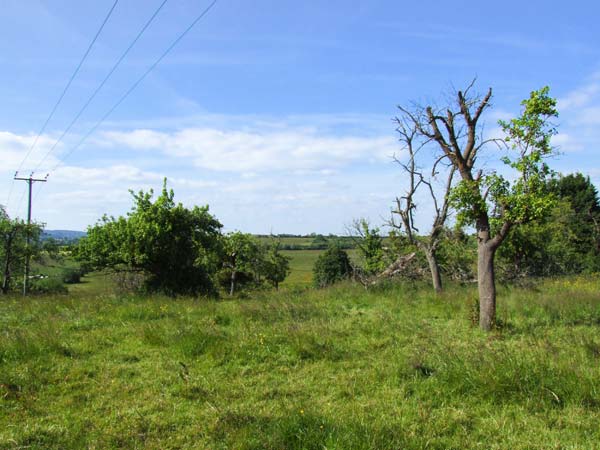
413	141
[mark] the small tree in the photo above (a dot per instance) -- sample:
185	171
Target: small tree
369	244
14	248
242	256
331	266
276	266
492	203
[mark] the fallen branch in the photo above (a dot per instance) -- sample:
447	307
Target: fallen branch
393	269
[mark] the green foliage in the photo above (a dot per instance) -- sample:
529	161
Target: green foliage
242	260
243	251
457	255
582	196
179	249
250	262
14	249
47	285
71	275
564	242
331	266
541	248
51	248
527	198
370	247
276	265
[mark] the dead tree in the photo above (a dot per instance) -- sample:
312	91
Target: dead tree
413	142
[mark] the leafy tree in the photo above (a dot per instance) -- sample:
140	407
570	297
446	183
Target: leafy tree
492	203
331	266
176	248
14	248
242	257
369	243
582	196
276	266
247	260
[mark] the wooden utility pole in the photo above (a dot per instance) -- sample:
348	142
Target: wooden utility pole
30	180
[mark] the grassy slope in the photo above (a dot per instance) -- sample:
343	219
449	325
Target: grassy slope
336	369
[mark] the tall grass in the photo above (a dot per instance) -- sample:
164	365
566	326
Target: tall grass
395	367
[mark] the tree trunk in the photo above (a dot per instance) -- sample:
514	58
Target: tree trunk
434	268
232	285
487	285
7	256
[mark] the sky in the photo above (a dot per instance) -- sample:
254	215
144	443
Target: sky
278	114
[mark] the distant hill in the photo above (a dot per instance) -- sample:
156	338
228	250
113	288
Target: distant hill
63	235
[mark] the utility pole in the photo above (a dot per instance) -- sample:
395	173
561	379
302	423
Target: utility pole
30	180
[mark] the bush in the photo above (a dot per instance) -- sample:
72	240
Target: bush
50	285
331	266
72	276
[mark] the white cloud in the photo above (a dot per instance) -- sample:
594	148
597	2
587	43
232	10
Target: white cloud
582	96
107	176
255	151
14	148
566	142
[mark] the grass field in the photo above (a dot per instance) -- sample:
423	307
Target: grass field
333	369
301	266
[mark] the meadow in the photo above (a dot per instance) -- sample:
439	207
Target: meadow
341	368
301	265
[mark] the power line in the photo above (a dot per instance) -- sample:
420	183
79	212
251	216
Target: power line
62	95
135	85
112	70
131	89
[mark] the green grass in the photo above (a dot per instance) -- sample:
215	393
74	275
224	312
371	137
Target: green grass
342	368
301	266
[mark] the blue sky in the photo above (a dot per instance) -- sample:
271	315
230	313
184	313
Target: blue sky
275	113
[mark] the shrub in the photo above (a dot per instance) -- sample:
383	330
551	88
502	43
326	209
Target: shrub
50	285
331	266
71	276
